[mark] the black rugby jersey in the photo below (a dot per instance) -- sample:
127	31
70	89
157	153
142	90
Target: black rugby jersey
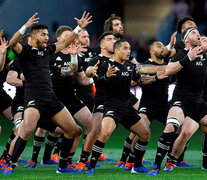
155	93
64	85
35	66
84	60
179	45
191	78
3	73
117	88
15	66
100	92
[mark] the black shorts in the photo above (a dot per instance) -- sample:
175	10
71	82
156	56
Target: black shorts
73	104
45	122
193	109
133	100
88	101
5	100
154	112
43	101
98	106
17	104
127	118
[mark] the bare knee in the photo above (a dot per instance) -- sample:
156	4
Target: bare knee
26	131
72	133
104	136
145	136
40	132
185	135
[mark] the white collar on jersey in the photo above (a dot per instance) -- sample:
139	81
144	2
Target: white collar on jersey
34	48
150	60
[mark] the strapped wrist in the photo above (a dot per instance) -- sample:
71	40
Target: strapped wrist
77	29
74	58
169	47
23	29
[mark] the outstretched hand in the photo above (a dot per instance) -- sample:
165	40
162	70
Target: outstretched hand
4	45
85	20
173	39
161	73
32	20
194	53
111	71
77	49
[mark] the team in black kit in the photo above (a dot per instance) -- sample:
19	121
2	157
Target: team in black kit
55	86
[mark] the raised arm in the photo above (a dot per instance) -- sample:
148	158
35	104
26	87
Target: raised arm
169	50
146	79
174	67
3	49
82	23
13	43
148	68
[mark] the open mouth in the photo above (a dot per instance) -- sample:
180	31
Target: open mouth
44	44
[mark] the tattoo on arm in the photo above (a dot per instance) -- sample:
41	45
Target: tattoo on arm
69	71
144	79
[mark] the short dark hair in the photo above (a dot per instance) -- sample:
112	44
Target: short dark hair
117	44
180	23
24	38
61	29
102	36
37	27
108	22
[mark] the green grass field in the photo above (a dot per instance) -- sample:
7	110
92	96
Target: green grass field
107	170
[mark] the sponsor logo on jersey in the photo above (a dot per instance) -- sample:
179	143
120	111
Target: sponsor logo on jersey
124	74
199	63
31	103
66	64
58	58
143	109
20	108
117	69
178	103
202	59
128	68
110	113
100	107
40	53
87	59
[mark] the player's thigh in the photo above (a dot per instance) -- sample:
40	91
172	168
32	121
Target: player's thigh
141	129
189	128
84	117
64	120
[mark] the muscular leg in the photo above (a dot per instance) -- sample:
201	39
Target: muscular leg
27	127
174	119
204	146
142	130
108	126
84	117
65	121
91	137
188	129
